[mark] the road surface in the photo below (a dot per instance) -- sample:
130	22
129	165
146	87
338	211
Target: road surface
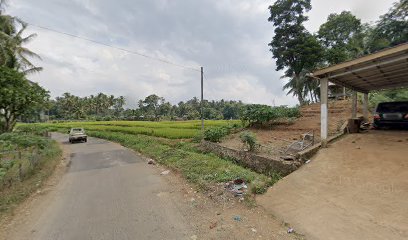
110	193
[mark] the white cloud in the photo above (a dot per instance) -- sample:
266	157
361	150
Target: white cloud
228	37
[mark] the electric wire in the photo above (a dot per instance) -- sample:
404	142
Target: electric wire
115	47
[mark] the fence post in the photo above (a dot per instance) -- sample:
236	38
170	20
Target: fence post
20	172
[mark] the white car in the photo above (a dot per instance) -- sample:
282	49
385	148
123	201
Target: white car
77	134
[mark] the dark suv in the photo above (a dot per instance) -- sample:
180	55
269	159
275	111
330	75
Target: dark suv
391	114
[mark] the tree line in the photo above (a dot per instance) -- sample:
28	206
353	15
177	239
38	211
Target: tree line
296	51
342	37
151	108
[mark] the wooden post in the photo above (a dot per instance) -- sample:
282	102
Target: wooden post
365	106
324	122
344	93
354	105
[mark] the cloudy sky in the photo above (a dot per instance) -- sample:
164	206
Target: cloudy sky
227	37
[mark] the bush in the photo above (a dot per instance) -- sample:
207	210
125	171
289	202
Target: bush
25	141
215	134
249	139
260	114
32	129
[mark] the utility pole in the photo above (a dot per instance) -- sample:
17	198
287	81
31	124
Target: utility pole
202	99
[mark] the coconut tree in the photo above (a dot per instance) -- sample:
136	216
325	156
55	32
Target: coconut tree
13	54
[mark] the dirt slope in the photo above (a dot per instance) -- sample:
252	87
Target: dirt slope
277	138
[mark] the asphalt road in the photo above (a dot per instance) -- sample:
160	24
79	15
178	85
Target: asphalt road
109	192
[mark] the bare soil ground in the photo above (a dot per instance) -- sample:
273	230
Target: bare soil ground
109	192
355	189
274	140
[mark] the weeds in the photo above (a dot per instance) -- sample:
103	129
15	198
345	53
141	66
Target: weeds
249	139
15	187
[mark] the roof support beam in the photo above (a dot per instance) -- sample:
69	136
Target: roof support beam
374	65
403	83
382	82
403	48
381	77
341	83
324	122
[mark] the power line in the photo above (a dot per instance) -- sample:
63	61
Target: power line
117	48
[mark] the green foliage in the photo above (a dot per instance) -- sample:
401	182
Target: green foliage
46	150
102	107
13	54
17	97
343	38
391	29
260	114
169	129
249	139
387	96
259	187
293	47
34	129
215	134
98	107
25	140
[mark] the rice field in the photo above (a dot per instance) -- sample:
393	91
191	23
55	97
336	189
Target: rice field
165	129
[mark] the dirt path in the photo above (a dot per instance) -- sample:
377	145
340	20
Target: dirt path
355	189
109	192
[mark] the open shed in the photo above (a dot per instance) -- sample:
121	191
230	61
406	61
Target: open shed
386	69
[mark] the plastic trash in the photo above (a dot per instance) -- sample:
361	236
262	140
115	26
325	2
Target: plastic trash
165	172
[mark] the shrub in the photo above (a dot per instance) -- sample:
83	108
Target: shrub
249	139
215	134
259	114
197	138
25	141
32	129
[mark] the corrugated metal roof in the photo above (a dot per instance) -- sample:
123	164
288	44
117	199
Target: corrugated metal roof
385	69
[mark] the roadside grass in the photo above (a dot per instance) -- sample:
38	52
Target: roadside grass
14	190
171	144
196	167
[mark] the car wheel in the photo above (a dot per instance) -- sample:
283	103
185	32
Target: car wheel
86	140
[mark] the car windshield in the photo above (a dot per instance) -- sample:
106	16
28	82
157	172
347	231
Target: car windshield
77	130
393	107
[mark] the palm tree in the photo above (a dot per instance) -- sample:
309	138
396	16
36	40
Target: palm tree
12	52
296	86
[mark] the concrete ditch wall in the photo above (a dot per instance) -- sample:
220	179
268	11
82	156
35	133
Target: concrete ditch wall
257	163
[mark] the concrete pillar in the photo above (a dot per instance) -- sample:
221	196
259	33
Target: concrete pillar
324	122
365	106
354	105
